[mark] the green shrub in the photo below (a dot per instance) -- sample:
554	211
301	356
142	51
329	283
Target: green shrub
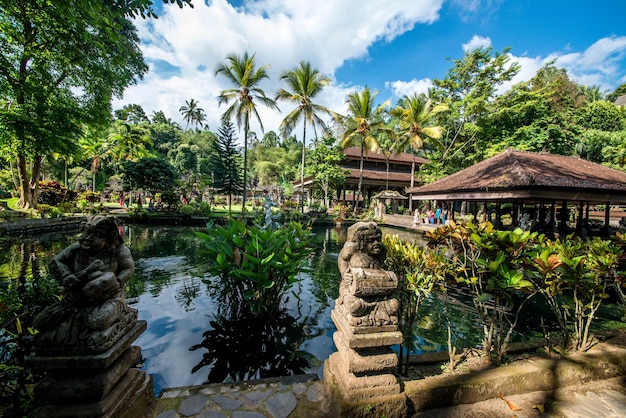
187	210
44	210
67	207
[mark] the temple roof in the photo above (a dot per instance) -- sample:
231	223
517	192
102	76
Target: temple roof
398	158
517	174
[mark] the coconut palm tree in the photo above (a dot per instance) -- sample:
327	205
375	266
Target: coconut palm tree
362	125
242	72
414	114
192	113
304	83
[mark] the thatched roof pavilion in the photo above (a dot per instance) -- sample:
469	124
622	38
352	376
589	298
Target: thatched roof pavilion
526	178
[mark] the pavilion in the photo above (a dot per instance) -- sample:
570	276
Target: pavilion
548	188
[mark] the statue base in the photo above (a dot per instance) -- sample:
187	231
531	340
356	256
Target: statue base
97	385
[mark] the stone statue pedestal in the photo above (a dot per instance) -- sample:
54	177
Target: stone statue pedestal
359	376
98	385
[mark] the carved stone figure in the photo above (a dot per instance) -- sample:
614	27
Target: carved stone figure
92	314
365	288
366	316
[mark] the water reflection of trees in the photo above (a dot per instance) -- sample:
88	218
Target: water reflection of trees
245	348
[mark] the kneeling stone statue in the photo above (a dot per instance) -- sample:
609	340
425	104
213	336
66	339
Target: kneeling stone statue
92	313
365	288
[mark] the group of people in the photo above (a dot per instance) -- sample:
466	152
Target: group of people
439	216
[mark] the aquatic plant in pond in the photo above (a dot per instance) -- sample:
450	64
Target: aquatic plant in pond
254	266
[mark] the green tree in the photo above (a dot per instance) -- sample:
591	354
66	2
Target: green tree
225	163
93	147
324	164
192	113
619	91
415	115
152	174
131	113
592	93
243	73
304	83
61	63
362	125
538	115
468	88
129	142
601	115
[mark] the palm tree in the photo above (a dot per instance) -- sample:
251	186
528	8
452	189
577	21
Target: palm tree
192	113
363	123
241	71
93	147
305	83
414	113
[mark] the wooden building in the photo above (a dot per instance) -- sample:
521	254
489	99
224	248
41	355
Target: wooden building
550	189
379	173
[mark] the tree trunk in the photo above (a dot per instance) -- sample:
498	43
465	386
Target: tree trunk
245	167
28	183
302	170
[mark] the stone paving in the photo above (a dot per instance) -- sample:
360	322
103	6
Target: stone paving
606	404
297	396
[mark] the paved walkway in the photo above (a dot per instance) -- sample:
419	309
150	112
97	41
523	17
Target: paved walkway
303	397
296	396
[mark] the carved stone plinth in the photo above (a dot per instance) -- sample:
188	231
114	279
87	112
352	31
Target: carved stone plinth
364	362
99	385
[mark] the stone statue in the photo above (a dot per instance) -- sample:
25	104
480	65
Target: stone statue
92	314
366	288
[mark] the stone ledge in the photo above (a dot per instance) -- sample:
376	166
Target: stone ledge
541	375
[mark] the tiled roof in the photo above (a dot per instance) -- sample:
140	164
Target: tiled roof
517	170
402	157
620	101
378	175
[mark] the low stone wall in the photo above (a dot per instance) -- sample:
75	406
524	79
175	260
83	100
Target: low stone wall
28	227
543	375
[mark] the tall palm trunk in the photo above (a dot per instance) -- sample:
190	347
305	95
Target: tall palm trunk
302	170
245	166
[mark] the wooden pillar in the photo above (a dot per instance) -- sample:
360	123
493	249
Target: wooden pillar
485	214
579	219
563	220
498	220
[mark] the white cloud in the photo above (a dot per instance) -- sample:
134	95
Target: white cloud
407	88
281	33
597	65
477	42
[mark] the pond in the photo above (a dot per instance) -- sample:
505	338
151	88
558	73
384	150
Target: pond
188	343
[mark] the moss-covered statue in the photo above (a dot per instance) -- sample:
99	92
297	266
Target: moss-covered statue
92	314
366	288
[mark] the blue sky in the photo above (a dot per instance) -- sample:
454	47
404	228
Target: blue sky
393	46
